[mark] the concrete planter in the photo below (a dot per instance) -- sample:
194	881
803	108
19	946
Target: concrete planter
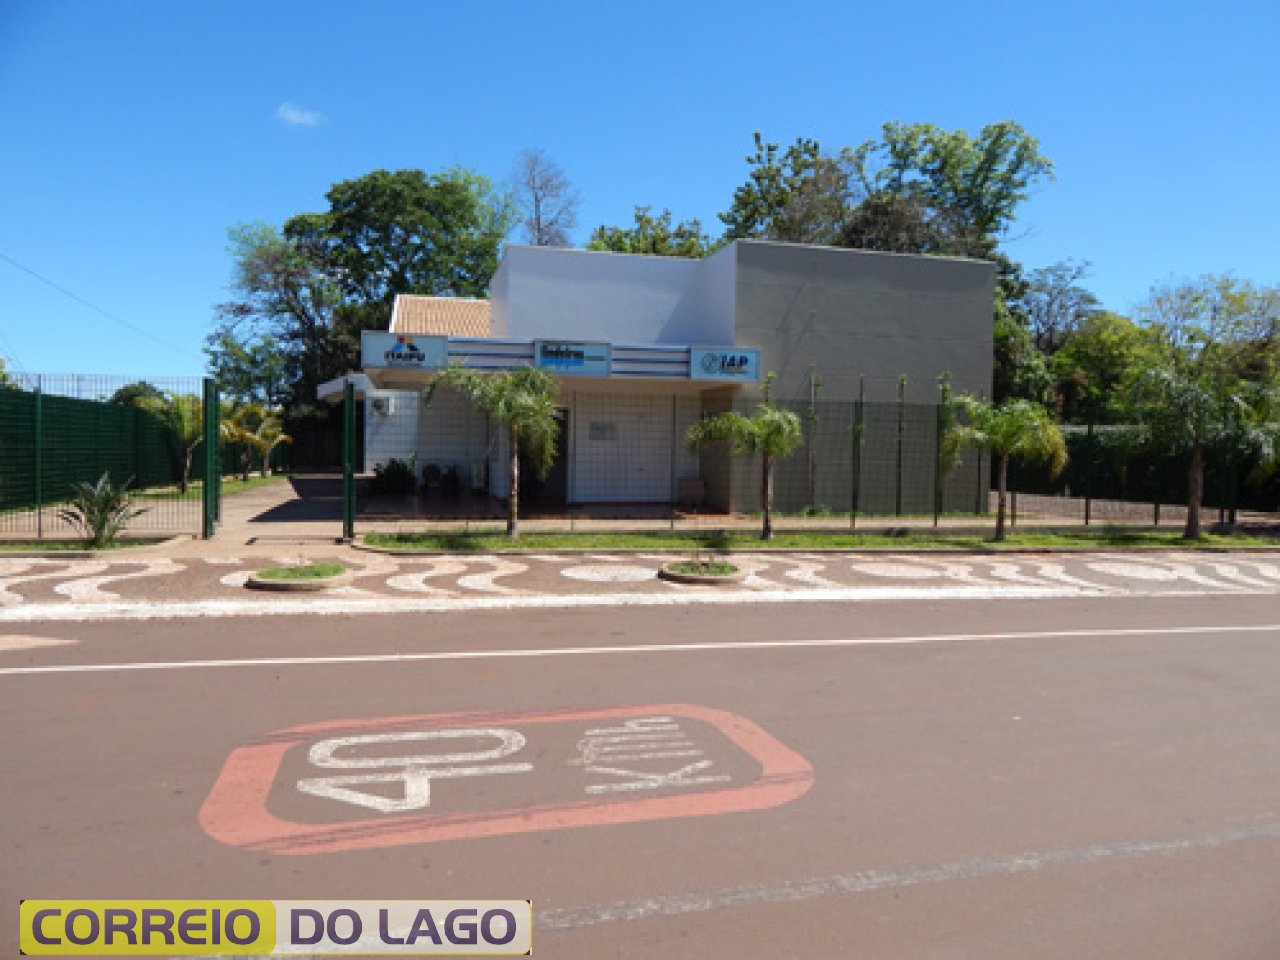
665	572
308	585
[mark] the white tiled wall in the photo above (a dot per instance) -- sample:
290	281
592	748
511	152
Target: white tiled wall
622	447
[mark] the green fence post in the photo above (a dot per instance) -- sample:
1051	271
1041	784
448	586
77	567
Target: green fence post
348	461
212	461
938	474
1090	457
856	429
897	485
39	459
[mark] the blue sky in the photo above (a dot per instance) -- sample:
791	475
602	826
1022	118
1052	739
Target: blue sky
136	133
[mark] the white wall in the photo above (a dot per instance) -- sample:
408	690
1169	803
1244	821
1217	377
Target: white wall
565	294
395	435
623	444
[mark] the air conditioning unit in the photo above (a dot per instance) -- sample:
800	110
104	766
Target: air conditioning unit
383	406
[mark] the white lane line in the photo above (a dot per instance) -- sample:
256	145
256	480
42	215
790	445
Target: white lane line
63	570
830	642
868	881
485	582
751	565
89	589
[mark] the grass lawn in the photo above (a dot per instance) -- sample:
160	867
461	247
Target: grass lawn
1103	537
231	485
53	546
308	571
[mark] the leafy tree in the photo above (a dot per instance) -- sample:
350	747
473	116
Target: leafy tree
546	199
1105	352
797	196
136	394
405	231
771	432
283	292
973	184
655	236
1213	382
253	369
525	400
183	415
1013	430
1056	305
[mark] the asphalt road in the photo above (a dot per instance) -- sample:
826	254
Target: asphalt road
1042	778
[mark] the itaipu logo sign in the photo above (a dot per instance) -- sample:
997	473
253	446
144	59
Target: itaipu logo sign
402	350
405	352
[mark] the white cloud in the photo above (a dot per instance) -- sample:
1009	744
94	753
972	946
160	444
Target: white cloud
292	115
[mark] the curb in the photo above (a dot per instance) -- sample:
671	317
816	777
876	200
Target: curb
837	551
123	549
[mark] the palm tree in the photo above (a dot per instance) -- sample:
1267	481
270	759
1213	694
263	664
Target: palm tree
1014	430
771	432
183	414
1182	412
525	400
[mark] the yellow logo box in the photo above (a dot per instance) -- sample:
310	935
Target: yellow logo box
135	928
193	928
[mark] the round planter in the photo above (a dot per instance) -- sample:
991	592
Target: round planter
697	579
309	585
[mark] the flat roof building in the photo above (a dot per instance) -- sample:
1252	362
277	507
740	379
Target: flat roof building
643	346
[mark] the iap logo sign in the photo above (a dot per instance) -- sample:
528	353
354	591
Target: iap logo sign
740	364
402	350
362	784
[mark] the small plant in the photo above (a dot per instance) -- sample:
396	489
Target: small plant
704	568
305	571
100	511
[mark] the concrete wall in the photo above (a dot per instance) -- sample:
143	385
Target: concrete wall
584	295
845	313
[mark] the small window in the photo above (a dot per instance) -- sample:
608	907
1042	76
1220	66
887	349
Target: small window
603	432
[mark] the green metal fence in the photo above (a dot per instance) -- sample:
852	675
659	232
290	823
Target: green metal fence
60	430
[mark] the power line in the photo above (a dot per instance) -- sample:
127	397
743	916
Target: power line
97	309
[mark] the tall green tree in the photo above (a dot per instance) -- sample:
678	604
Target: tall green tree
1213	380
524	400
974	184
136	394
796	195
656	236
770	433
253	369
281	291
1104	353
405	231
1013	430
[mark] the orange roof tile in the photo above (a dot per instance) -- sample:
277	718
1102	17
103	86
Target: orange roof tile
441	316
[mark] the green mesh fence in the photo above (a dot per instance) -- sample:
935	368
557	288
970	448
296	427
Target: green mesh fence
60	430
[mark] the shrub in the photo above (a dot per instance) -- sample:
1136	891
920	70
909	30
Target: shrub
100	511
396	478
